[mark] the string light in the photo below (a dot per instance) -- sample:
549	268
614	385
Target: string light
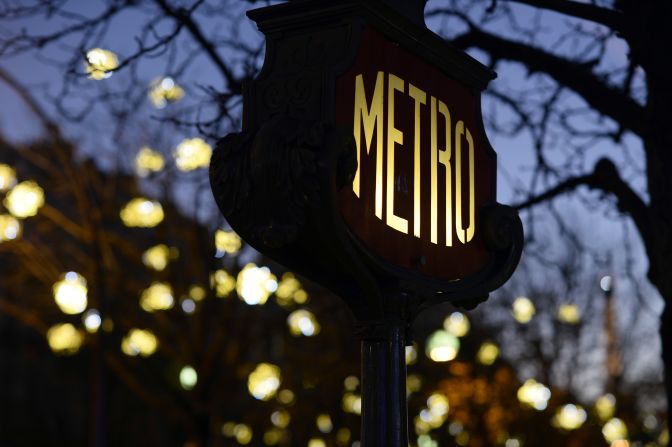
70	293
192	154
142	212
25	199
100	63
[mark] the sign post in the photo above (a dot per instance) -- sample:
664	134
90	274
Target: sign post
363	164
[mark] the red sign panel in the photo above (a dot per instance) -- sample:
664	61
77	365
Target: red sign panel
425	165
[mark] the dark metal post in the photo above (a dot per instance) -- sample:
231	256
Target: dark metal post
384	409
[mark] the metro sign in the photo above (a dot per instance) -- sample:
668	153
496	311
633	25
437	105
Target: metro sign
363	163
425	167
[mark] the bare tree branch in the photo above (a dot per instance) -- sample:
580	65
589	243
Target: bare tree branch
607	17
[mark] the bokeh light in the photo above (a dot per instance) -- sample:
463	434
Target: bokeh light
457	324
223	283
142	212
324	423
140	342
264	381
569	313
157	257
227	242
605	406
100	63
64	339
614	430
534	394
70	293
255	284
92	320
523	309
7	177
148	161
10	228
24	199
188	377
163	91
192	154
158	296
487	353
303	322
442	346
569	417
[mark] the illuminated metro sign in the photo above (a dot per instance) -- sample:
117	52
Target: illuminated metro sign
425	167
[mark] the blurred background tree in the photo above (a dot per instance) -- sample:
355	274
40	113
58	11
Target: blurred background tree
128	268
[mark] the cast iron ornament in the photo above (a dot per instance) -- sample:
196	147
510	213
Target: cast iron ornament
278	181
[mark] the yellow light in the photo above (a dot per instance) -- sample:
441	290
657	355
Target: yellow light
286	397
64	339
197	293
487	353
163	91
223	283
411	354
623	443
99	63
264	381
148	161
569	417
24	199
158	296
139	342
442	346
614	430
436	412
280	418
192	154
142	212
457	324
351	383
569	313
242	433
157	257
534	394
352	403
605	406
227	242
255	284
324	423
10	227
425	440
7	177
228	428
523	309
70	293
316	442
343	436
300	296
413	384
272	436
188	377
303	322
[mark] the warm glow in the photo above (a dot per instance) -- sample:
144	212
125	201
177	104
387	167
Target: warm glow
24	199
523	309
487	353
163	91
192	154
242	433
92	320
139	342
280	418
148	161
255	284
142	212
534	394
70	293
457	324
316	442
303	322
197	293
343	436
286	397
7	177
223	283
10	227
227	242
64	339
99	63
290	291
188	377
352	403
614	430
569	417
158	296
272	436
264	381
351	383
157	257
620	443
605	406
324	423
442	346
411	354
569	313
436	412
